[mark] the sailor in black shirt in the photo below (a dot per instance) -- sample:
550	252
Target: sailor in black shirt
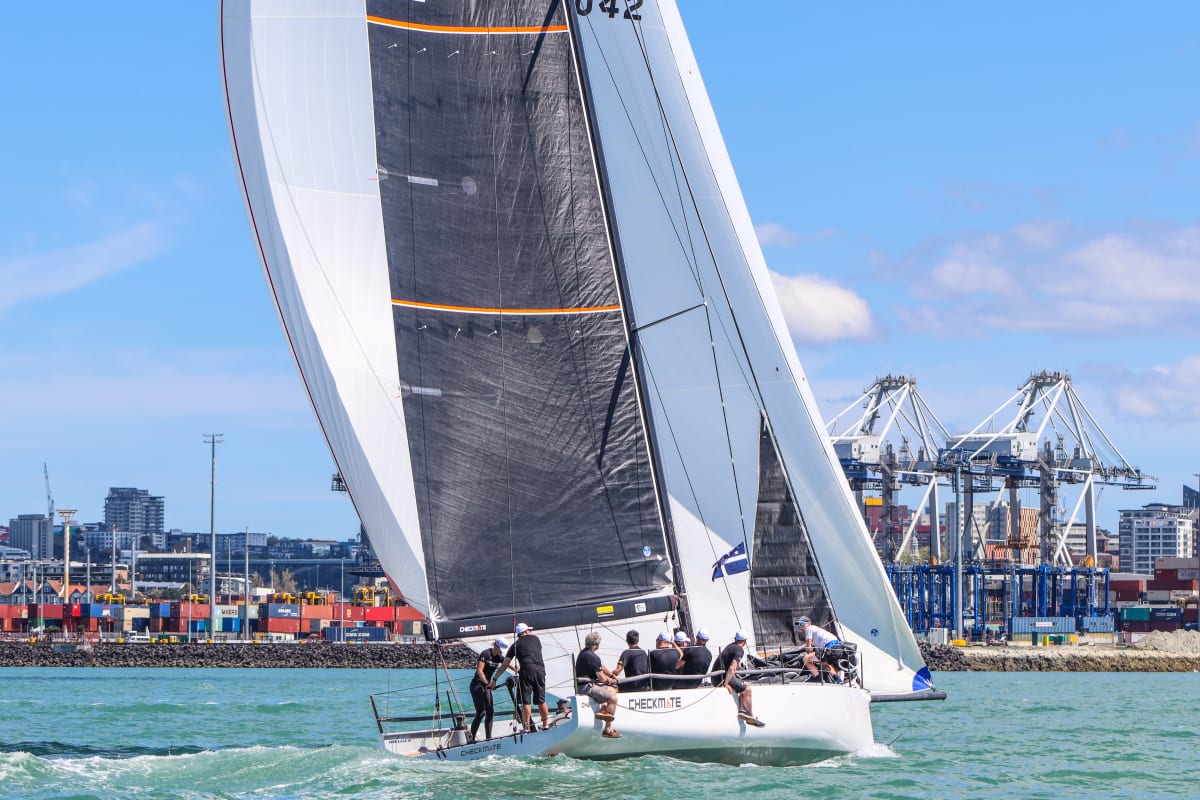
593	679
488	661
665	659
727	664
633	662
696	660
531	681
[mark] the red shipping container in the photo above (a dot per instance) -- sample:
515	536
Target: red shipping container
1171	585
1166	574
1191	614
384	614
280	625
1165	624
408	614
1127	584
316	612
46	611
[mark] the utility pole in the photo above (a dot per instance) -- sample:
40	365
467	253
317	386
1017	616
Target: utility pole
67	515
212	440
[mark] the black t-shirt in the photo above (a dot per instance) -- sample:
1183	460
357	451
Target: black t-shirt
696	660
732	652
587	669
490	662
527	650
634	661
663	660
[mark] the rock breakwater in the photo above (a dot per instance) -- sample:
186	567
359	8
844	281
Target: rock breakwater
269	656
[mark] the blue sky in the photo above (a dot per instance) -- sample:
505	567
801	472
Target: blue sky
964	193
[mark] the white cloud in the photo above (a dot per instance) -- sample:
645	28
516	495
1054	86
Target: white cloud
26	278
1047	276
819	310
1169	392
772	233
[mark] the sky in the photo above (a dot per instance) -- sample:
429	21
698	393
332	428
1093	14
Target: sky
962	193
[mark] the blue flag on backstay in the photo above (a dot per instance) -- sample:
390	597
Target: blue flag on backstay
732	563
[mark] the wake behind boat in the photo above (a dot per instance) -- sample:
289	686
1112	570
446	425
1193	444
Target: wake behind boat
526	298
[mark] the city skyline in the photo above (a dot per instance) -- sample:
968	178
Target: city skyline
931	204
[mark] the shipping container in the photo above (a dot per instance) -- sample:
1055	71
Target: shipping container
382	614
283	611
1102	624
1169	584
1041	625
364	634
160	610
1159	614
1166	624
1136	626
1136	614
280	625
1127	584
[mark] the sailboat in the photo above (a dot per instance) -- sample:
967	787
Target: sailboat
523	290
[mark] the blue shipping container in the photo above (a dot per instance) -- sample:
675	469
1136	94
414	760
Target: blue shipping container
283	610
1041	625
160	610
1097	624
1166	614
356	634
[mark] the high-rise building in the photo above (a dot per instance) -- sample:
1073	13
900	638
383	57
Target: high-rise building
135	511
1156	530
33	533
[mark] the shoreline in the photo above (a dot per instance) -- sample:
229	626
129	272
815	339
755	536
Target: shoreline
326	655
940	658
1010	658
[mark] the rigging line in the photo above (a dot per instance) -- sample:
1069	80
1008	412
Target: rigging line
576	350
385	390
660	320
693	263
423	401
677	162
661	505
635	128
691	487
503	398
752	378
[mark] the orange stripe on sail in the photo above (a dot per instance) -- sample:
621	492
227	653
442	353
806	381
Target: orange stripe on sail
417	26
505	311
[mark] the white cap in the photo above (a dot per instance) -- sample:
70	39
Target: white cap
664	637
522	627
739	636
702	634
681	637
502	643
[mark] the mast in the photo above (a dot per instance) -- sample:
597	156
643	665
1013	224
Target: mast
631	335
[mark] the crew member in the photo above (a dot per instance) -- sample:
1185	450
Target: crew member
818	644
727	664
488	661
531	681
634	661
595	680
696	660
665	659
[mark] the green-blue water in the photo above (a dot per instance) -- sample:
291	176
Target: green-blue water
181	733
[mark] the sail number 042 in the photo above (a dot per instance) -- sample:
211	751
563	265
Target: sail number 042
610	7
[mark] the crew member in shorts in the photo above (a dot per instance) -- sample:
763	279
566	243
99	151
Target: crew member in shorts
531	681
595	680
727	664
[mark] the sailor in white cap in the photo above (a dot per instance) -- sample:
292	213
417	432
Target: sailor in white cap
728	662
531	680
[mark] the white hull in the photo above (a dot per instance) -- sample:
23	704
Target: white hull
804	723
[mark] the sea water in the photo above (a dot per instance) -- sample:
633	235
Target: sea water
247	733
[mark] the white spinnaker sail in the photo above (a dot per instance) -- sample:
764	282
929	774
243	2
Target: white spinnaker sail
687	240
298	88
